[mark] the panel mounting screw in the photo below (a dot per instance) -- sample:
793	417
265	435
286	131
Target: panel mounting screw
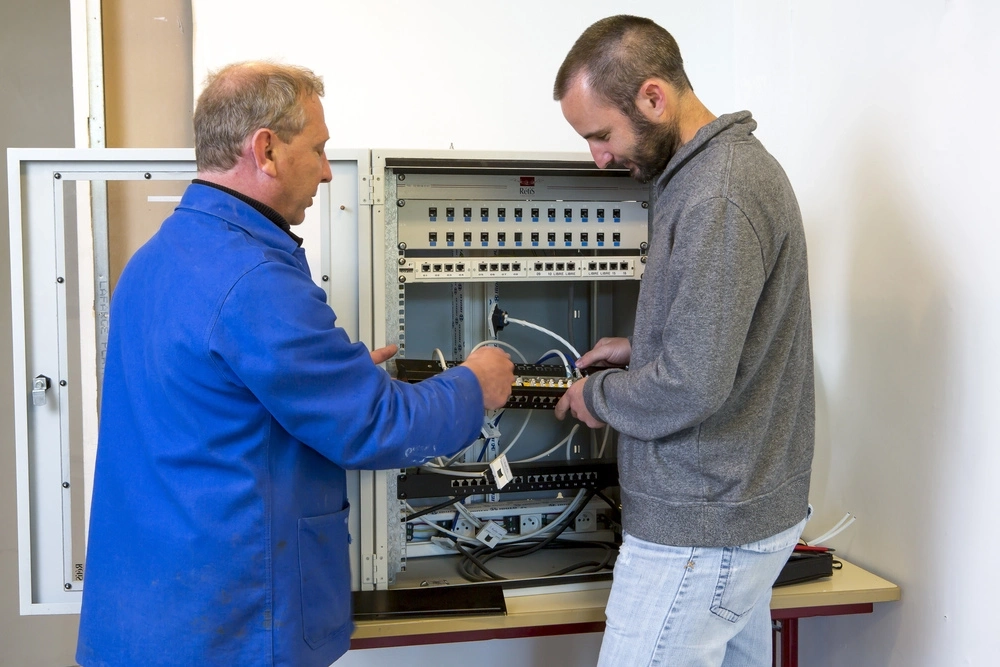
147	175
68	586
643	259
401	177
326	278
60	280
65	485
645	204
57	175
644	246
62	383
402	245
402	261
402	279
401	202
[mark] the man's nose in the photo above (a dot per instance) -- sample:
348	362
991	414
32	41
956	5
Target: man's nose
601	157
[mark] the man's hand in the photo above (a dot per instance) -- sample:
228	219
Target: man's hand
572	402
607	352
495	372
383	354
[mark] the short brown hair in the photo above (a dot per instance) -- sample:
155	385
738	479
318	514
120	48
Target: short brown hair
617	55
240	99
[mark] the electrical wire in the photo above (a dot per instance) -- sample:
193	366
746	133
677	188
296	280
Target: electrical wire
440	355
604	442
501	344
841	526
558	353
559	338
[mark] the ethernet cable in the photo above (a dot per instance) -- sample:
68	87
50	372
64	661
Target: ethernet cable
558	353
565	441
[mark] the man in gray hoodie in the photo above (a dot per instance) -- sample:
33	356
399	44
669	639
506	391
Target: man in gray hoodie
713	396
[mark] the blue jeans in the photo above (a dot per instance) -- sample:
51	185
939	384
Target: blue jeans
694	606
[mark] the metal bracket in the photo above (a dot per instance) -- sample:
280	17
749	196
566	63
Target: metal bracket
39	386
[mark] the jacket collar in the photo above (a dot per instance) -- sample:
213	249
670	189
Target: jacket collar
234	210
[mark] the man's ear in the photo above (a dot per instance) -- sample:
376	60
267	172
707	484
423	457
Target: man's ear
653	99
263	144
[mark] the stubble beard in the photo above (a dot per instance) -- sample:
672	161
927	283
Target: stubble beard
655	145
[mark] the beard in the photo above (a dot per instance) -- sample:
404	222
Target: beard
655	144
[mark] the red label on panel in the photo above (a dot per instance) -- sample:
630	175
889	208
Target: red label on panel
527	181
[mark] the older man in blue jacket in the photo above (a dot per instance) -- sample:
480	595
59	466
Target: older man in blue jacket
233	404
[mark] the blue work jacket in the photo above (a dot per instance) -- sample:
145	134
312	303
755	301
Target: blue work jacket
232	405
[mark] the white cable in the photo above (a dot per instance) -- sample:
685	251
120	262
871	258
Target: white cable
440	356
501	344
604	442
568	438
527	416
829	535
559	338
449	471
569	369
835	527
507	539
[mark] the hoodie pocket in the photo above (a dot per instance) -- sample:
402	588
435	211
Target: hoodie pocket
325	577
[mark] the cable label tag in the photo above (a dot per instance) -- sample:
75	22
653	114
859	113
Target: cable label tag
491	534
501	471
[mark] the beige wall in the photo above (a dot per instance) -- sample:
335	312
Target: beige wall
148	97
148	104
37	111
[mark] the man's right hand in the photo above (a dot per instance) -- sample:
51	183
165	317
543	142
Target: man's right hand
495	372
607	352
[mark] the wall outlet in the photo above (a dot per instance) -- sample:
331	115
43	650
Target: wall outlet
530	523
465	528
586	521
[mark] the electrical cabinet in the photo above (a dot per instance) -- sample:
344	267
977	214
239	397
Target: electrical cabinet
436	252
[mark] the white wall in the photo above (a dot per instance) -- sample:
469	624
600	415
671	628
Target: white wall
881	112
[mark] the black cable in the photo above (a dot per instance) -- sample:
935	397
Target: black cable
616	513
473	566
429	510
477	558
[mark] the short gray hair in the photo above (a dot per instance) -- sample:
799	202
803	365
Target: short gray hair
619	53
240	99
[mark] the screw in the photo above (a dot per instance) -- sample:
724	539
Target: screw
343	208
402	261
402	245
68	586
645	204
402	279
57	176
401	177
326	278
65	485
147	175
60	280
643	259
644	246
400	202
62	383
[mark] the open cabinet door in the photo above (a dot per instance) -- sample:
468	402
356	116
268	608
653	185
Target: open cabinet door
75	218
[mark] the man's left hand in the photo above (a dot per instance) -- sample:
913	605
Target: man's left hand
383	354
572	402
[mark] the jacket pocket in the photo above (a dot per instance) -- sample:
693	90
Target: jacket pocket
325	577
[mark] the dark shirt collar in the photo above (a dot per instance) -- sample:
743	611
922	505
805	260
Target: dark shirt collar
260	207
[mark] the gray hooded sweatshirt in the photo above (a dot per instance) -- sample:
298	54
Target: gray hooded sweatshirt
716	411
